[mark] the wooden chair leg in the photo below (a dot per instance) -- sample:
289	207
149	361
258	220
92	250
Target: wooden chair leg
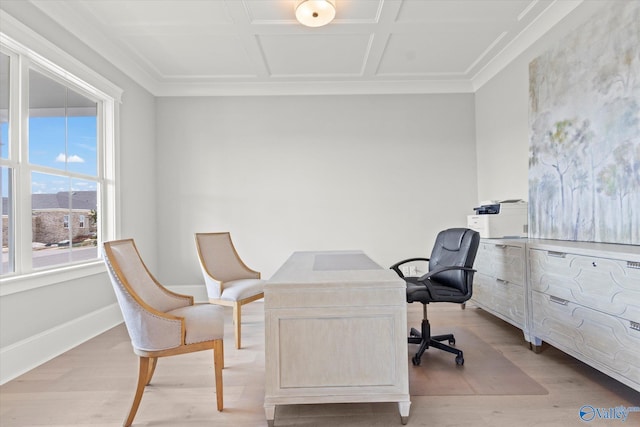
218	362
152	368
237	313
143	376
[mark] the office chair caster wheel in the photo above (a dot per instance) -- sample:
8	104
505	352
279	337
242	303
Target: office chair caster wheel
459	360
415	360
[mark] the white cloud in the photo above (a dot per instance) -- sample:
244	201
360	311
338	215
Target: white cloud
71	159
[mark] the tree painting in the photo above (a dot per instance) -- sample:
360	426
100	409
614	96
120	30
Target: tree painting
584	157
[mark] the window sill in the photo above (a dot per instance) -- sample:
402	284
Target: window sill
26	282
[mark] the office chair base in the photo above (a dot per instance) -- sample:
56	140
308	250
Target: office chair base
416	337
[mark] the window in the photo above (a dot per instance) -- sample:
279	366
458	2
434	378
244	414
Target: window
57	139
6	171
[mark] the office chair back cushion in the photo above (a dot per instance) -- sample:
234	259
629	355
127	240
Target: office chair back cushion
454	247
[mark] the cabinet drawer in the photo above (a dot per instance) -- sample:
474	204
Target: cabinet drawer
501	296
505	262
611	286
607	342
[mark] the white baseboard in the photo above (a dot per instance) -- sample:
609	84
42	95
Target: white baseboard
21	357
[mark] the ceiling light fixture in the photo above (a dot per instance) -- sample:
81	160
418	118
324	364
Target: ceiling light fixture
315	13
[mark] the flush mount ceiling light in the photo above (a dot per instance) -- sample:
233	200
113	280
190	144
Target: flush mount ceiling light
315	13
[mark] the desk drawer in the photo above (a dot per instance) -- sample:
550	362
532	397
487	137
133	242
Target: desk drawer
607	285
334	296
607	342
501	296
505	262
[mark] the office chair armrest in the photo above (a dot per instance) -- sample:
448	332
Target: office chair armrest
396	267
437	271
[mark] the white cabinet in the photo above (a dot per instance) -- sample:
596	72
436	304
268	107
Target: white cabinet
499	285
582	298
586	302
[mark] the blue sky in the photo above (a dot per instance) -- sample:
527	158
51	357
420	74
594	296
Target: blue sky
64	146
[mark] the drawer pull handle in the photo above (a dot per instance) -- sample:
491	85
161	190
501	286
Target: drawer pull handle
635	326
633	264
556	254
558	300
504	282
501	246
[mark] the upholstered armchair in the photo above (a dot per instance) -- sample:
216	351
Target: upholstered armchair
228	280
160	322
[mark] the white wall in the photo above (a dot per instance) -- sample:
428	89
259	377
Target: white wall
37	324
378	173
502	117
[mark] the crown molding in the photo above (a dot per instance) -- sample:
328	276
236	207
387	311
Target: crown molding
316	88
76	24
554	13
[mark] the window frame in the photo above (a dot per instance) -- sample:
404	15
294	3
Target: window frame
22	45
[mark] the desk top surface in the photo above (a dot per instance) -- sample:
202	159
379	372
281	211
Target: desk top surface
332	267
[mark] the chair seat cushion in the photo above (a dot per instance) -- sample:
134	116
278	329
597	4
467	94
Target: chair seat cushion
236	290
203	322
441	293
432	292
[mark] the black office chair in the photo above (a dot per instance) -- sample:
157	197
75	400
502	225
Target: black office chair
450	279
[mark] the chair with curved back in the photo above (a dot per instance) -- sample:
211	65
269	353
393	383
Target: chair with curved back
160	323
449	279
229	281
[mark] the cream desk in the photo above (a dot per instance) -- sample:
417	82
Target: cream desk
335	332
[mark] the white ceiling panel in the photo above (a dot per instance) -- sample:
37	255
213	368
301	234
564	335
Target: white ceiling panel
315	55
261	12
137	13
227	47
442	11
218	56
428	52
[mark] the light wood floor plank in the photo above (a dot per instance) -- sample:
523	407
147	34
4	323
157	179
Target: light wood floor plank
93	384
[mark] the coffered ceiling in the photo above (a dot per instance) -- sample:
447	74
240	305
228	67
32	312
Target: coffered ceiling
236	47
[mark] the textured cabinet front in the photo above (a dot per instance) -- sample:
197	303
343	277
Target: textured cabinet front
588	304
499	284
501	260
608	285
503	298
607	342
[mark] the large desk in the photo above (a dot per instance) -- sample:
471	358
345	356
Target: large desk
335	331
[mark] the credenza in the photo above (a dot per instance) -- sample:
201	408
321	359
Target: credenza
499	285
582	298
335	332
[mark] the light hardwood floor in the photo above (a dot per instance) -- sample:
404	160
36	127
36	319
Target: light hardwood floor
92	385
